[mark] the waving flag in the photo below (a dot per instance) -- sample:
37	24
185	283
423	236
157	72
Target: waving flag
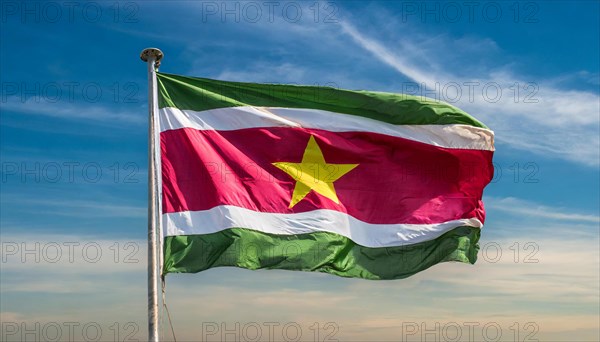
354	183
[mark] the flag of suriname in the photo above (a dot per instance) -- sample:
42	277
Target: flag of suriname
354	183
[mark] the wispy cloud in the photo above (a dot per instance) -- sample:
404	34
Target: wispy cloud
401	64
283	73
542	118
92	112
68	264
519	207
520	279
77	207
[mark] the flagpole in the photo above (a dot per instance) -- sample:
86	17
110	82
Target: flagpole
152	56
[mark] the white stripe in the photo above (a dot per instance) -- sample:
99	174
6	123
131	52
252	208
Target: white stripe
232	118
322	220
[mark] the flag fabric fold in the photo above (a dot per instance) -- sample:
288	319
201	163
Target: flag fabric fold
353	183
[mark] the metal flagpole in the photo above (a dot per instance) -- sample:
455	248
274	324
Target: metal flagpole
152	56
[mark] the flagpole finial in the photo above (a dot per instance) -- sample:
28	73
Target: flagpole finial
152	53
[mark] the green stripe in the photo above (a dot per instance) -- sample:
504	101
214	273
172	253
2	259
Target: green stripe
320	251
399	109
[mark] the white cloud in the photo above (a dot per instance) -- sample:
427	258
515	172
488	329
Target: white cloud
555	284
78	208
401	64
90	111
523	208
263	72
67	261
541	118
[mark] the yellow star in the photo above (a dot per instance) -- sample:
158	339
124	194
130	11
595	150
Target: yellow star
313	173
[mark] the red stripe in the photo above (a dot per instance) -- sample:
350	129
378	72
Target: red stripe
397	180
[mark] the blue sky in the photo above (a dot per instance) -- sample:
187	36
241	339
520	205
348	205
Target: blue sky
74	166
